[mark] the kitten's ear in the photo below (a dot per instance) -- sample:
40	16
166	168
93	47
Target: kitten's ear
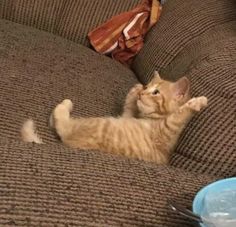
181	88
156	77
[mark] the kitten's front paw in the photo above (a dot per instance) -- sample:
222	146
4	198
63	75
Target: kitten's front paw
198	103
136	89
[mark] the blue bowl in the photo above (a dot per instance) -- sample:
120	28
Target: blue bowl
216	187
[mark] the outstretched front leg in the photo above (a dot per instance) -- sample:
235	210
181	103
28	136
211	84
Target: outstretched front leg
130	108
175	123
186	112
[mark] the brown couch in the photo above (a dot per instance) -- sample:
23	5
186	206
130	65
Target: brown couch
52	185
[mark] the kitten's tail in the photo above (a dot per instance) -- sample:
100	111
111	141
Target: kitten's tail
29	134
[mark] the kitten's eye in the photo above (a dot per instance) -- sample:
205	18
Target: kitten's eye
155	92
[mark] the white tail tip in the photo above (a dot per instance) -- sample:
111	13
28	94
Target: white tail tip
29	134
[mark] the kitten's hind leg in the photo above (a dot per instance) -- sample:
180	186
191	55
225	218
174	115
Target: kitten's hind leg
61	118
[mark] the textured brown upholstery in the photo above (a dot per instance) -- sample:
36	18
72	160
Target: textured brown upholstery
181	22
209	139
71	19
52	185
44	185
39	70
199	43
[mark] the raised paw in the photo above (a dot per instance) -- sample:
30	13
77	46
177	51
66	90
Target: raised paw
136	89
197	103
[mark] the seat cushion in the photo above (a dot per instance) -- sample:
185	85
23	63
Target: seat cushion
38	70
44	185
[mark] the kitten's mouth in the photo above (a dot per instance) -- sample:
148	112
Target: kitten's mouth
140	102
145	109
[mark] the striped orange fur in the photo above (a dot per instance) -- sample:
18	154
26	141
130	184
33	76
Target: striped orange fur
152	120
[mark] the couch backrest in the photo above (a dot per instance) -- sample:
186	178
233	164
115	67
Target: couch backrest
208	144
71	19
198	39
181	22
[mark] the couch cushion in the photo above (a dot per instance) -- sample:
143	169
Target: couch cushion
181	22
44	185
208	143
197	39
38	70
70	19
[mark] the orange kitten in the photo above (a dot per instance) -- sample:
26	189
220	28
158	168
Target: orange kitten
153	118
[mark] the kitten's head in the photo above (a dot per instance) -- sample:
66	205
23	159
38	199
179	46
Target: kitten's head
160	97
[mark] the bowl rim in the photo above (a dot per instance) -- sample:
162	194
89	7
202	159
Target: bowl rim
202	192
